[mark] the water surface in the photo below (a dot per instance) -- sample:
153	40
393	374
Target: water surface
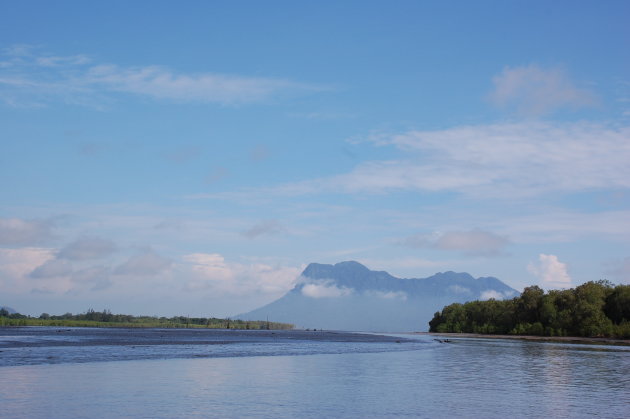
307	375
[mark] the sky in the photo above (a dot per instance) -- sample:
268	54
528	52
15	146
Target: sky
192	158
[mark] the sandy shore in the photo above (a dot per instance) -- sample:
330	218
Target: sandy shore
561	339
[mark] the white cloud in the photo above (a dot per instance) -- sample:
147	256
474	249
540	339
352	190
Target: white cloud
458	289
34	79
491	294
52	268
50	271
474	242
162	83
325	289
38	270
506	160
211	265
96	276
41	270
532	90
550	271
18	50
146	263
516	158
86	248
390	295
384	176
55	61
19	263
18	232
210	271
264	228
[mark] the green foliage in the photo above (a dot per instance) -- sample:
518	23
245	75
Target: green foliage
617	305
105	318
529	304
593	309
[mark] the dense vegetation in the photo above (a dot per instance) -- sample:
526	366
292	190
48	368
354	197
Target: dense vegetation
594	309
105	318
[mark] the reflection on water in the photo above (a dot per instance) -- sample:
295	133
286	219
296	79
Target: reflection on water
546	379
468	378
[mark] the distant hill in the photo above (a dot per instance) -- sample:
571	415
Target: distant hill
349	296
9	309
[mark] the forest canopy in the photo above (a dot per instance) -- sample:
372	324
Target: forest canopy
593	309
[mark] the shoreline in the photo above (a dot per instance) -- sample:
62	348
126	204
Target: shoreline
557	339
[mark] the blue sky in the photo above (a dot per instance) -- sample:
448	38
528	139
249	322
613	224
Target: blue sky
193	158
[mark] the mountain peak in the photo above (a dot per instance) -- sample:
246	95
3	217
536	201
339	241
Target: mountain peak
453	275
349	274
326	271
351	264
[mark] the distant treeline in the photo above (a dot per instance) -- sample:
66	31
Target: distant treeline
105	318
594	309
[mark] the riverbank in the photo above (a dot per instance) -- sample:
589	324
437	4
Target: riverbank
145	322
559	339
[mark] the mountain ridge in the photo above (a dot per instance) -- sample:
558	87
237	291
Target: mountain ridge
350	296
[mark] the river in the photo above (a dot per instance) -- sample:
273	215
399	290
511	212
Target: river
126	373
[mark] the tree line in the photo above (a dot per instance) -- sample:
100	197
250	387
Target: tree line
106	318
593	309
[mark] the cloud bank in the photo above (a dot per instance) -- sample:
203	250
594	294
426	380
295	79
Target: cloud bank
505	159
517	160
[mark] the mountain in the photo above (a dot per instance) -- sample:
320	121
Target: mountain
349	296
